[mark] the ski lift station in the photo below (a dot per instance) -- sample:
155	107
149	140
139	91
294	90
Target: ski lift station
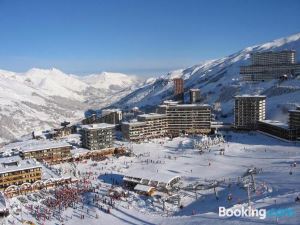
157	180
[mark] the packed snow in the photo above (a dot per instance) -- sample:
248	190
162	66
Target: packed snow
224	160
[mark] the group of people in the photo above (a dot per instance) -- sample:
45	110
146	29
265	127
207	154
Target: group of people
63	197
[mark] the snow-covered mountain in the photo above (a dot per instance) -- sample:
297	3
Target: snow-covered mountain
219	81
111	81
42	98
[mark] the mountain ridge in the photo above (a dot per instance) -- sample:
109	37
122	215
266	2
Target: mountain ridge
42	98
219	81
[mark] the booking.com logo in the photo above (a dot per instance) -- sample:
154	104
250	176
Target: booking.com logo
252	212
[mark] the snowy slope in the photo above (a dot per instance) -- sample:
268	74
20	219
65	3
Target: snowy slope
276	187
219	80
42	98
55	82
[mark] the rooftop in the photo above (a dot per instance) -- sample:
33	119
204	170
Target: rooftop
170	102
186	105
144	174
276	123
269	52
295	110
45	145
98	126
250	96
152	115
108	111
15	163
134	123
141	187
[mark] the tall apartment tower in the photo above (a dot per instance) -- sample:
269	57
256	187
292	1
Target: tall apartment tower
194	96
178	90
97	136
111	116
248	110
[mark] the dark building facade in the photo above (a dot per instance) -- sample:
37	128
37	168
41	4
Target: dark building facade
195	96
97	136
271	65
178	90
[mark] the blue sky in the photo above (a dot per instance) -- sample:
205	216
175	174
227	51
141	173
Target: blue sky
138	37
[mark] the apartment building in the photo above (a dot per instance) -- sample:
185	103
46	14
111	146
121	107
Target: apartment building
289	131
50	152
294	118
15	171
111	116
248	110
178	90
186	118
195	96
277	129
271	65
97	136
133	130
65	129
147	126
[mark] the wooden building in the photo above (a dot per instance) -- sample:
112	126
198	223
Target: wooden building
51	152
15	171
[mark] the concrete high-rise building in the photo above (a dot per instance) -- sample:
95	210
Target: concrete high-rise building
147	126
273	58
248	110
186	118
194	96
289	131
178	90
97	136
294	118
271	65
111	116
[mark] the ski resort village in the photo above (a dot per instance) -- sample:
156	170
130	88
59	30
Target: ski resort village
198	146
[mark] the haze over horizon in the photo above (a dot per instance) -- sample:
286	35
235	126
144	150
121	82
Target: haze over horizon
147	38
